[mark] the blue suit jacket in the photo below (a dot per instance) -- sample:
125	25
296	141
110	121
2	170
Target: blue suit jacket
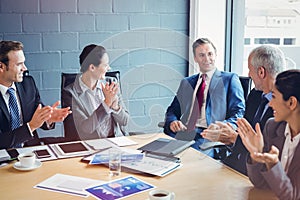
284	185
225	100
29	99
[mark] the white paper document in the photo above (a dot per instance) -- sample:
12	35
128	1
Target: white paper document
99	144
122	141
68	184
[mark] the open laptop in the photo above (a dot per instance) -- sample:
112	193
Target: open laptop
170	147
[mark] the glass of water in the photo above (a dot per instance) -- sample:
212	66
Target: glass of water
114	162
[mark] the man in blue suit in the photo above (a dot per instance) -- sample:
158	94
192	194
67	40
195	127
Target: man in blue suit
29	114
223	98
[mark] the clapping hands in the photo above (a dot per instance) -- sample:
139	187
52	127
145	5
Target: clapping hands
253	141
48	114
110	92
220	132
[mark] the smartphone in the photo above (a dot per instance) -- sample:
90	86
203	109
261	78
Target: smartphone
42	153
13	153
109	79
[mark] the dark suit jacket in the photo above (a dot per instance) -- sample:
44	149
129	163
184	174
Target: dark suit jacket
284	185
29	99
225	100
237	158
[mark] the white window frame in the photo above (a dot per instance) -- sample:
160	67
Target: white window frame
208	19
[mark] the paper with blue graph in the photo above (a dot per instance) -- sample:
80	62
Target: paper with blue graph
118	189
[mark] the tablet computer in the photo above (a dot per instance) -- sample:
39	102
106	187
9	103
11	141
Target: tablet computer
71	149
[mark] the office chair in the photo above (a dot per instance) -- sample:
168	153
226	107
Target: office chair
246	84
70	131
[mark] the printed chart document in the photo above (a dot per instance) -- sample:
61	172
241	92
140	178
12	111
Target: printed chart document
127	155
118	189
68	184
153	166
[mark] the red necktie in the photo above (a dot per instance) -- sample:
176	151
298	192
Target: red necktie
197	108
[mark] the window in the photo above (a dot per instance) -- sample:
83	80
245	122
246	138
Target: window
267	41
238	26
207	19
289	41
267	22
247	41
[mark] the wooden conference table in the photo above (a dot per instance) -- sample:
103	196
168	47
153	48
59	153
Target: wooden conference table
200	177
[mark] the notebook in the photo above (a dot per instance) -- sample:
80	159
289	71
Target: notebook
170	147
4	155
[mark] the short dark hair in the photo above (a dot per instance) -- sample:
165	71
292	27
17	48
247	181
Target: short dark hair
91	54
202	41
6	47
287	83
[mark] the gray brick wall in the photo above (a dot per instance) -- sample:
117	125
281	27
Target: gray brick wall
147	41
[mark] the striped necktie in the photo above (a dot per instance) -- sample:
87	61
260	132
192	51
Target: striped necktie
15	120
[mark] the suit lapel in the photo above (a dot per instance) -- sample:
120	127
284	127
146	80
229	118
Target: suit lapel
216	78
21	94
192	84
294	166
3	107
279	138
82	97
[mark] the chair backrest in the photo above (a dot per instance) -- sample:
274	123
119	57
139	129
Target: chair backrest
70	132
246	84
